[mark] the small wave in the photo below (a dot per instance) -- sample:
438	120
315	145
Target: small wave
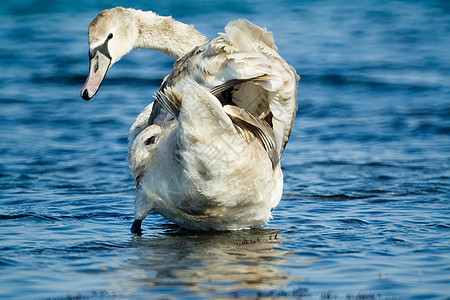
443	227
352	221
427	127
97	215
88	247
346	77
6	262
86	216
333	197
385	177
393	240
12	217
94	246
30	216
343	197
379	164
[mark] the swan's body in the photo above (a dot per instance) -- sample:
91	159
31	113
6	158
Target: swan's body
206	154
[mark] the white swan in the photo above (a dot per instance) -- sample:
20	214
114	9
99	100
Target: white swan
206	153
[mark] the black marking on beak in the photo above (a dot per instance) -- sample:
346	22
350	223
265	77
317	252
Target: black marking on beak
85	95
103	49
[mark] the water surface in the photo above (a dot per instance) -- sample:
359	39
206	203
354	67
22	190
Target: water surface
366	204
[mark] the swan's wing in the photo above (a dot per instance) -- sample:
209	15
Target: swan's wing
242	67
170	101
280	82
140	123
231	130
227	85
249	127
170	98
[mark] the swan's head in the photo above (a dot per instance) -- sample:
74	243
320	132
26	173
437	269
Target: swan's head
112	34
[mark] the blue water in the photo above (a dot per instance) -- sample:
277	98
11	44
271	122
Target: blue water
366	205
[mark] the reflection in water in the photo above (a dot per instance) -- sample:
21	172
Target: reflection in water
222	262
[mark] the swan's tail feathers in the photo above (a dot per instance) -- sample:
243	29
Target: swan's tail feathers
246	35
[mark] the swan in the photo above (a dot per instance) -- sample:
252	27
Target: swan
206	153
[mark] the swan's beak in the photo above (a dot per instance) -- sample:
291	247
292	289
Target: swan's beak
98	66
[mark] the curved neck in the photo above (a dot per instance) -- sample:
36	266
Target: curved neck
166	34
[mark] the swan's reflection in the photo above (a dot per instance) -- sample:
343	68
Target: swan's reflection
207	263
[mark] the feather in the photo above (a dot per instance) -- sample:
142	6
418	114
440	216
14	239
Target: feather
250	126
169	100
243	34
230	83
246	35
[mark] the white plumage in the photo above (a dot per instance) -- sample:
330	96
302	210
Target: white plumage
206	154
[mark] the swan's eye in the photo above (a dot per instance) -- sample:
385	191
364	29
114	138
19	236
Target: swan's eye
110	36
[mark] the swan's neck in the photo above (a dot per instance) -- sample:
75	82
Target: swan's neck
166	34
